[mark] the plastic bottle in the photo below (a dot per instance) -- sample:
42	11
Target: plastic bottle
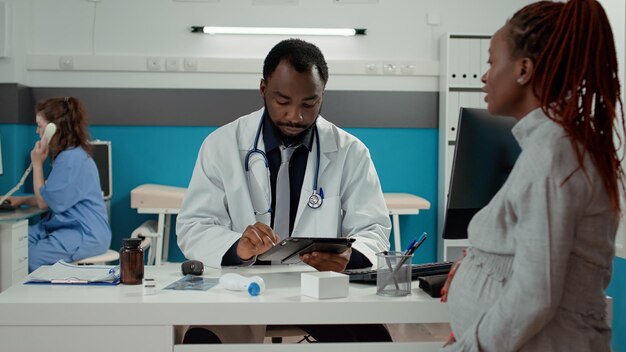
131	261
235	282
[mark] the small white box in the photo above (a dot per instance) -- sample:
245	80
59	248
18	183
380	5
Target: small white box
324	284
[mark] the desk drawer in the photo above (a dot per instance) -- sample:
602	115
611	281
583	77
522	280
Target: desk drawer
19	274
20	236
20	256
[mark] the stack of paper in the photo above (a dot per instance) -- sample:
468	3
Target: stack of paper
65	273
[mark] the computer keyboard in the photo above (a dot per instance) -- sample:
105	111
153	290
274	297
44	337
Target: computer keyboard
6	206
368	275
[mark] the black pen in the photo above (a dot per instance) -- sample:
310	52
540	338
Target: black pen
386	253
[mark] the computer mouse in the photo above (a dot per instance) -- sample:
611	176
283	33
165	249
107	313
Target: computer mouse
192	267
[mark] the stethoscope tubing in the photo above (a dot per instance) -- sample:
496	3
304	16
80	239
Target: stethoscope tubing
255	149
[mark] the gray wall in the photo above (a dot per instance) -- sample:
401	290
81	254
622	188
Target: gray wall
215	107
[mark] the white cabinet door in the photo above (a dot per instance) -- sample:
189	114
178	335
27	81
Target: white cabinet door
13	252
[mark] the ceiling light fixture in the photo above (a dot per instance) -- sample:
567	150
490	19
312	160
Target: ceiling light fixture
279	31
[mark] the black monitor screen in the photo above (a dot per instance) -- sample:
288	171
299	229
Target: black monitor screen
102	158
484	155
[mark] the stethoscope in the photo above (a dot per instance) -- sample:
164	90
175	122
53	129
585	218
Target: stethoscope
315	200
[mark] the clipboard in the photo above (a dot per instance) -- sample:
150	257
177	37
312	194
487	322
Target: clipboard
288	250
62	273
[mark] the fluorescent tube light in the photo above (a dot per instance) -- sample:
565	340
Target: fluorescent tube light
278	31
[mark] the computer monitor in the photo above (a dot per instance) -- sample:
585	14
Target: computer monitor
1	169
484	155
102	158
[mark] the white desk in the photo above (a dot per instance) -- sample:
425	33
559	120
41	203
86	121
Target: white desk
167	200
104	318
14	245
163	201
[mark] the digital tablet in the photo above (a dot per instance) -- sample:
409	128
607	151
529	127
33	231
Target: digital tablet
288	250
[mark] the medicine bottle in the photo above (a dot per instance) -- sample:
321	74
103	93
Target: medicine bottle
131	261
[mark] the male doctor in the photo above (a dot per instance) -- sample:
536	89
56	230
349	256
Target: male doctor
321	182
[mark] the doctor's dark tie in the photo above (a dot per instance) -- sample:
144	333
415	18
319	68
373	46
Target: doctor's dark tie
281	217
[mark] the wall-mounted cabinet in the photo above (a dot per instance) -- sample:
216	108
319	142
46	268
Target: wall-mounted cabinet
463	61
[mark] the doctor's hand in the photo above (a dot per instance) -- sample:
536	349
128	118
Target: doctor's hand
255	240
39	154
327	261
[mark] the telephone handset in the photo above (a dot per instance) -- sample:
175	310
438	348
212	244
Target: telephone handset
48	132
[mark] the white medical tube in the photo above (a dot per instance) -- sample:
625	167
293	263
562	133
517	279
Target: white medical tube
235	282
19	184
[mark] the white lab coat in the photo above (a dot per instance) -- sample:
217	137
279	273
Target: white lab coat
217	206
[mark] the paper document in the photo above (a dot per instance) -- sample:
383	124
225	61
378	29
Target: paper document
65	273
190	282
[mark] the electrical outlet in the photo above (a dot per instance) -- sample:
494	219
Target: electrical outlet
275	2
371	68
190	64
153	64
355	1
407	69
66	63
172	64
433	18
389	68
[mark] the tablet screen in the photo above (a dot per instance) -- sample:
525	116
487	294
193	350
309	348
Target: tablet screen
288	251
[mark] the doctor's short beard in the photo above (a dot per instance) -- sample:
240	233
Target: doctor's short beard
291	140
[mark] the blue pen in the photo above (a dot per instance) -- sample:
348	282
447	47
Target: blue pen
409	251
322	192
408	248
415	244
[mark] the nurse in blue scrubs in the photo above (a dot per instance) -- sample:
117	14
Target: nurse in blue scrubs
76	225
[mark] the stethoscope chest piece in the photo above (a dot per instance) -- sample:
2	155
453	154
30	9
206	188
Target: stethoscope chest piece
315	200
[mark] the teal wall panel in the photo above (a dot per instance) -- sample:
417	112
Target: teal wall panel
617	290
17	142
161	155
405	160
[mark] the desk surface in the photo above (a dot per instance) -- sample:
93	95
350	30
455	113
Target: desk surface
281	303
20	213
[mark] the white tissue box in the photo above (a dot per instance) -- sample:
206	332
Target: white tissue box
324	284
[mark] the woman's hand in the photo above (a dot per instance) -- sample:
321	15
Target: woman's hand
39	153
16	201
446	286
451	340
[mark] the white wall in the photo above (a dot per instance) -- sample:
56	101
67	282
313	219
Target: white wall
127	32
12	67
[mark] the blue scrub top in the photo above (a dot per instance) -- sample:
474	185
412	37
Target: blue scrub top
72	191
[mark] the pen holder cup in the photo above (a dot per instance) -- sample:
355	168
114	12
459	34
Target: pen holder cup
393	274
